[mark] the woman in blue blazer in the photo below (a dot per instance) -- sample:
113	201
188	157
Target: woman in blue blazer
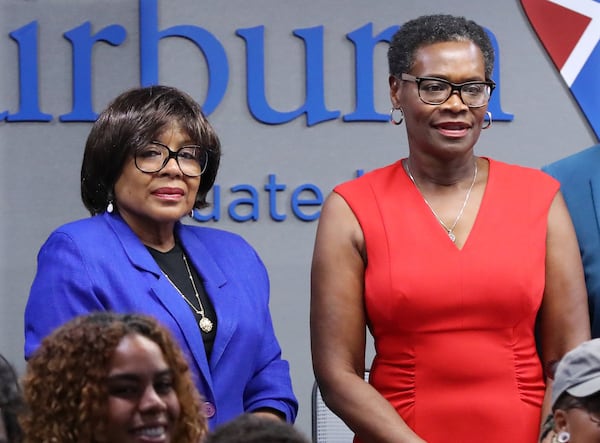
150	158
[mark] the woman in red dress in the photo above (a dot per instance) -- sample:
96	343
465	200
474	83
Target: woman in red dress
452	261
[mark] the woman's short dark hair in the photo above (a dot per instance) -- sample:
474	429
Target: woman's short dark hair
566	401
250	428
430	29
130	122
64	386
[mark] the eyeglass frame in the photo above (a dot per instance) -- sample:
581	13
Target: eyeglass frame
172	154
453	87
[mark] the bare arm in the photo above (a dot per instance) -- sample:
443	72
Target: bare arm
338	329
564	317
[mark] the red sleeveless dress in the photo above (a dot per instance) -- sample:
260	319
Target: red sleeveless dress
454	329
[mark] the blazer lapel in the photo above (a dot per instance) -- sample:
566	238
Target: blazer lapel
134	249
164	291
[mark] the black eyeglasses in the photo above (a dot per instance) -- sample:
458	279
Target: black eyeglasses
191	159
435	91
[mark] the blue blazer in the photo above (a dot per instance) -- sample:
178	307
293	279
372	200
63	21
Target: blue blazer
99	263
579	175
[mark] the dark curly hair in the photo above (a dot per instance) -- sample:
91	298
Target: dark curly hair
11	401
250	428
430	29
64	385
132	121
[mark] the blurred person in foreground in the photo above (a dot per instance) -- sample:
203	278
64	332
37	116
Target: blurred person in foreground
115	378
450	259
575	414
248	428
11	403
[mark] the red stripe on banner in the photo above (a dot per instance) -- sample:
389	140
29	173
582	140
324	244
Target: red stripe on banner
558	28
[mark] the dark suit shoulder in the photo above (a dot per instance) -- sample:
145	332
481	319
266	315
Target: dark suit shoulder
576	167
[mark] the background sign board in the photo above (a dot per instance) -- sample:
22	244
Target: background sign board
297	91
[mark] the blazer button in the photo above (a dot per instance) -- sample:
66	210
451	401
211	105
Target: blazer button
209	409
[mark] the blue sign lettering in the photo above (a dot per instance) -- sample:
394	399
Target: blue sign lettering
247	208
314	108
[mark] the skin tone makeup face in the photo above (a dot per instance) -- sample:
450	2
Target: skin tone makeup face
142	405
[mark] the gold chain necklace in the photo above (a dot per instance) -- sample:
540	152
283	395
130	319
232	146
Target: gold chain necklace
449	230
205	323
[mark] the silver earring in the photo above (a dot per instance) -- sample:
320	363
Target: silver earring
563	437
192	213
110	208
401	116
489	120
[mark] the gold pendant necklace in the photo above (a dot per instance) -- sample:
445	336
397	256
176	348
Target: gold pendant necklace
449	230
205	323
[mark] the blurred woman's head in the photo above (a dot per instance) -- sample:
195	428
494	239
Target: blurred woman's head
576	395
111	378
11	403
251	428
